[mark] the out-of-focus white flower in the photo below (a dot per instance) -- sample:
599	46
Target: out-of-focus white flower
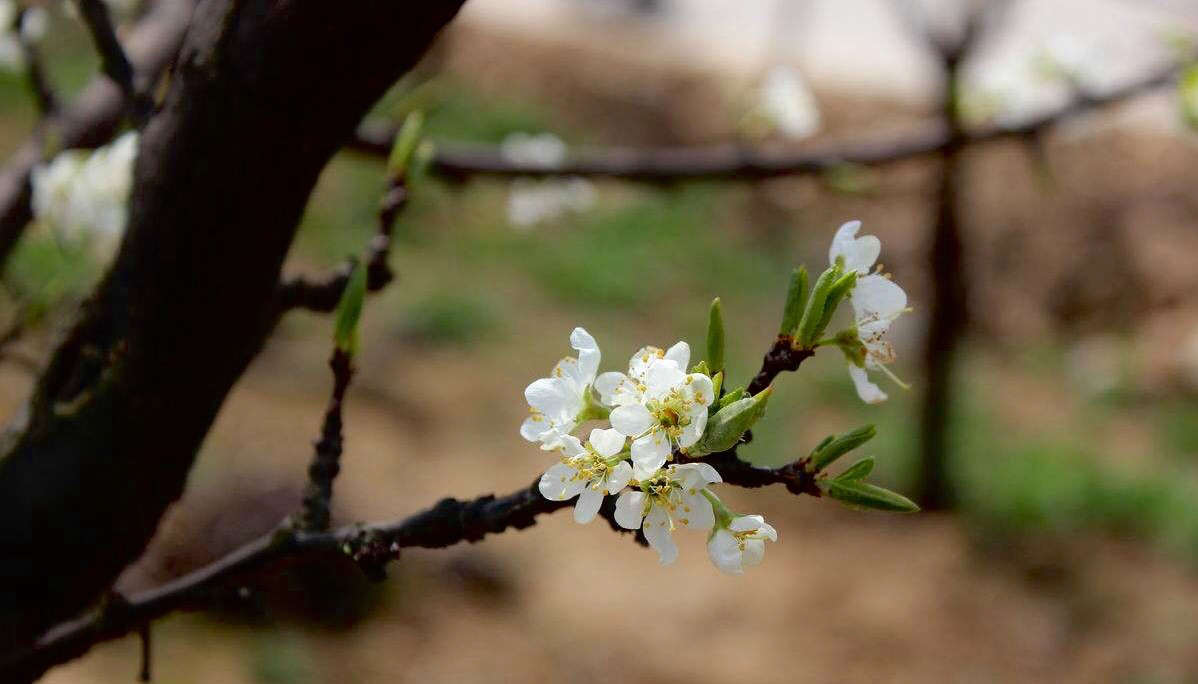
658	405
561	400
877	301
587	471
671	498
787	104
741	543
531	201
32	29
80	194
544	149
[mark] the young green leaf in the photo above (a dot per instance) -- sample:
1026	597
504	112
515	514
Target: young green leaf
857	471
724	429
864	495
834	447
809	329
1187	95
835	295
715	336
735	395
796	296
406	141
349	310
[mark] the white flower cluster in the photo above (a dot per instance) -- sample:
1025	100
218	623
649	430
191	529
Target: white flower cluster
84	195
877	301
663	410
534	201
31	29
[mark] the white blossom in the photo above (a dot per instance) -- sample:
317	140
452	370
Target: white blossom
587	471
657	404
32	29
561	400
672	498
740	544
877	301
80	194
531	202
787	103
544	149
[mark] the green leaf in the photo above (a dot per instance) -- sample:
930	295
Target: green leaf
809	326
796	295
735	395
864	495
406	141
1187	95
834	447
857	471
835	295
715	336
724	429
349	310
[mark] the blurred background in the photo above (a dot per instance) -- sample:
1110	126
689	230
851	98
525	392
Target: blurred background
1065	547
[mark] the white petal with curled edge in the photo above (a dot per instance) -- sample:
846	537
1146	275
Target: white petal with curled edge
649	454
877	298
692	432
754	552
868	391
657	533
588	505
701	389
571	446
549	396
661	378
617	389
533	427
559	483
619	477
588	355
680	354
724	552
607	442
630	508
860	254
632	420
696	475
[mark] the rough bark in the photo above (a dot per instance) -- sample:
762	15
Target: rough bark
265	92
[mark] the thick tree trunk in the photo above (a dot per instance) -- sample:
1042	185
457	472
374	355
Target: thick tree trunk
265	92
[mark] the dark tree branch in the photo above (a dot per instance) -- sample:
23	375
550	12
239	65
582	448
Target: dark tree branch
458	161
35	75
326	463
782	356
265	93
113	60
92	119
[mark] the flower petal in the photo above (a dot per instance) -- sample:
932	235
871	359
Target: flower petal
630	509
877	298
617	389
657	533
694	513
860	254
680	354
754	552
619	476
607	442
661	378
549	396
649	454
868	391
724	552
640	362
588	355
560	482
696	475
693	431
588	505
632	420
700	389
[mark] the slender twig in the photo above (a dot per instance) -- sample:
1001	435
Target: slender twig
326	463
147	653
35	75
783	355
732	162
113	59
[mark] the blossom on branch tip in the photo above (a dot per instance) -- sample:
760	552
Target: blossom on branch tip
673	497
588	471
658	405
80	194
740	543
565	398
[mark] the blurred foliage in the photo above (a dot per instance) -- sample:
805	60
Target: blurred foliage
451	318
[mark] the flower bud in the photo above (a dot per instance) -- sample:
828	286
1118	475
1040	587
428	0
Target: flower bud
724	429
796	295
715	338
